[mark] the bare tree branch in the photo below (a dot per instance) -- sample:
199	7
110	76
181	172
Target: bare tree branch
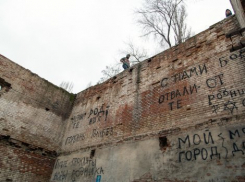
109	72
68	86
165	20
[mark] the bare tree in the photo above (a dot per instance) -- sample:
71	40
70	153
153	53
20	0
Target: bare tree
68	86
181	33
89	85
109	72
162	18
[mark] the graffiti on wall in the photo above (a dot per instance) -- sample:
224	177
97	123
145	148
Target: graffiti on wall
204	146
223	100
96	133
95	115
168	97
76	169
236	56
74	138
173	98
98	114
102	132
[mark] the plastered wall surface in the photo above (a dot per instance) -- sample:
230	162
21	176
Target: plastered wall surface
32	120
203	155
178	116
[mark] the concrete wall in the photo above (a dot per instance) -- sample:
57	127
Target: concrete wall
32	120
207	155
178	116
239	8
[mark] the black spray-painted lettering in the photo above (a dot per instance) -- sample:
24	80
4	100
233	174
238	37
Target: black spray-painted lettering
214	152
96	114
236	149
187	139
184	75
193	154
210	138
224	61
102	133
183	152
189	73
60	175
163	82
196	140
215	81
215	108
230	106
243	102
178	105
206	154
86	171
178	93
196	153
188	155
80	162
60	164
223	140
75	138
76	120
210	98
233	134
225	93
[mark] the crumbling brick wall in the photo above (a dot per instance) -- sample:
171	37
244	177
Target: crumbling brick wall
32	120
178	116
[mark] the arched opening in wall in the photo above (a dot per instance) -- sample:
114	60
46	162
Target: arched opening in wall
47	109
163	143
92	153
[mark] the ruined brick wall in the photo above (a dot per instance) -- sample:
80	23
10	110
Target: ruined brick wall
178	116
32	120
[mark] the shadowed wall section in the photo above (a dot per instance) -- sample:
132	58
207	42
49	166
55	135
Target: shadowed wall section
32	120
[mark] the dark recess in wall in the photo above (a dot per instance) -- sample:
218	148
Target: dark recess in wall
92	153
163	143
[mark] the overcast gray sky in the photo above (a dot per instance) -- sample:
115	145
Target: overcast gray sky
73	40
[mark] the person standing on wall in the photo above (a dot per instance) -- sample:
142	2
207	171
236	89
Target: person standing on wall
126	62
228	13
